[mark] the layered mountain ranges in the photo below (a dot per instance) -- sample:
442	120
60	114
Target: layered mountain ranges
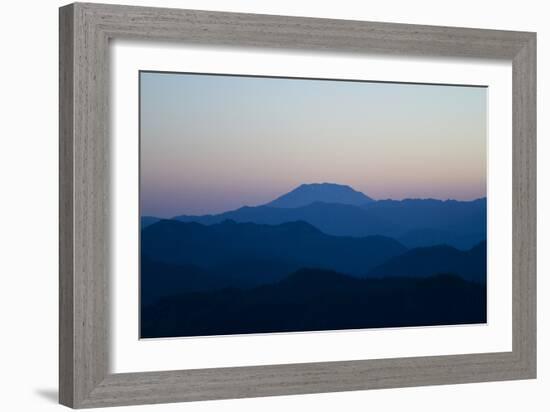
342	211
178	257
318	246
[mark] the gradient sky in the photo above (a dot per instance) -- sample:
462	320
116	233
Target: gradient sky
215	143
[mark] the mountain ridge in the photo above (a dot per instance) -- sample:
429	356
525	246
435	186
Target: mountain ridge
331	218
340	210
299	244
471	264
415	223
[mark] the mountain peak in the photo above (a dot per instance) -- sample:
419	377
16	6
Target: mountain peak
306	194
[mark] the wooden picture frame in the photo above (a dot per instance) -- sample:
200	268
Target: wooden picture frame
85	31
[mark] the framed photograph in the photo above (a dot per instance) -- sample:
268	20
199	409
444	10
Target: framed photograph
258	205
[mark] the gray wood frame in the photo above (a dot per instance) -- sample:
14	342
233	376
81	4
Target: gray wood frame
85	30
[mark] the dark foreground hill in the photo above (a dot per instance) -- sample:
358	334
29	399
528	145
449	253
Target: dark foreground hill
313	299
158	280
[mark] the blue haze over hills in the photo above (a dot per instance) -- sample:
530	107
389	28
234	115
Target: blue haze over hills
339	210
248	243
322	256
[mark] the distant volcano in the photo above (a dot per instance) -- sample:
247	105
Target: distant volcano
306	194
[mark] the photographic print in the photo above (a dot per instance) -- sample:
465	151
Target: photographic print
272	204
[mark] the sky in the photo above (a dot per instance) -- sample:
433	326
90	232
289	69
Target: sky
215	143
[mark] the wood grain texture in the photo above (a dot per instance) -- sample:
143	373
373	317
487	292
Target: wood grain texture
85	171
66	194
524	211
85	31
